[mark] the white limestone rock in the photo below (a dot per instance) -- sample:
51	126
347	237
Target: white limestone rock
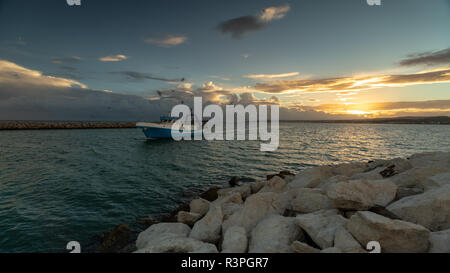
257	207
154	233
188	218
362	194
235	240
274	234
310	200
299	247
209	227
311	177
440	242
321	226
275	184
199	206
430	209
394	236
178	245
345	241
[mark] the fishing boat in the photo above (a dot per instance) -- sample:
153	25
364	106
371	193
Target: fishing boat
163	128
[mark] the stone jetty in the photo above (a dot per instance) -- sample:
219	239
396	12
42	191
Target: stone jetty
46	125
402	205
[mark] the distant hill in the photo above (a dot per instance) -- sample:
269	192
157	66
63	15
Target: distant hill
398	120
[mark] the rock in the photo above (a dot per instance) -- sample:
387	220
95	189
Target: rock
384	212
345	241
393	235
311	177
348	169
403	192
274	234
321	226
172	217
388	172
362	194
441	179
331	250
370	175
233	181
287	173
373	164
257	186
429	159
256	207
310	200
199	206
155	232
115	239
230	208
211	194
440	242
232	197
299	247
243	190
276	184
419	177
178	245
188	218
430	209
325	185
208	228
235	240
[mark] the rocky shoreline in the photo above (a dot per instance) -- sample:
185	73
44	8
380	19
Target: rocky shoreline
47	125
401	204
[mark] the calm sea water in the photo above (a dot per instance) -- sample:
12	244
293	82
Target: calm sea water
62	185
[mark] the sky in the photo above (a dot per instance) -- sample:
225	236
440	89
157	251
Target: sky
134	60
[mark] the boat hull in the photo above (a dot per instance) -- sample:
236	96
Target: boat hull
153	132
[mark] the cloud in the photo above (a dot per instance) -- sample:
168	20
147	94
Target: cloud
72	59
274	13
237	27
27	94
167	41
345	84
114	58
271	76
389	109
11	73
439	57
138	76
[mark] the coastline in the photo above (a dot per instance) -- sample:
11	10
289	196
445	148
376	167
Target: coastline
50	125
329	208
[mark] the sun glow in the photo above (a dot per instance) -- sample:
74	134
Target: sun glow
358	112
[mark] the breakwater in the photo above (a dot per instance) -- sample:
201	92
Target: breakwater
45	125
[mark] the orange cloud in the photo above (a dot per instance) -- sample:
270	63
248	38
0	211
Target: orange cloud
347	84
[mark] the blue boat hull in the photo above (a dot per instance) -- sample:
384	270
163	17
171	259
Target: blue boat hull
154	132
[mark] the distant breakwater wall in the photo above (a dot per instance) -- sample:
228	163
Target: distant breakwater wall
46	125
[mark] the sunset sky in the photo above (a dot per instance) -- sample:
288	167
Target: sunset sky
133	60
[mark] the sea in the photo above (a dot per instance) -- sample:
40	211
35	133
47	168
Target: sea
58	186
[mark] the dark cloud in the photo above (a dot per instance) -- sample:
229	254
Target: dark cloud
237	27
138	76
428	58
